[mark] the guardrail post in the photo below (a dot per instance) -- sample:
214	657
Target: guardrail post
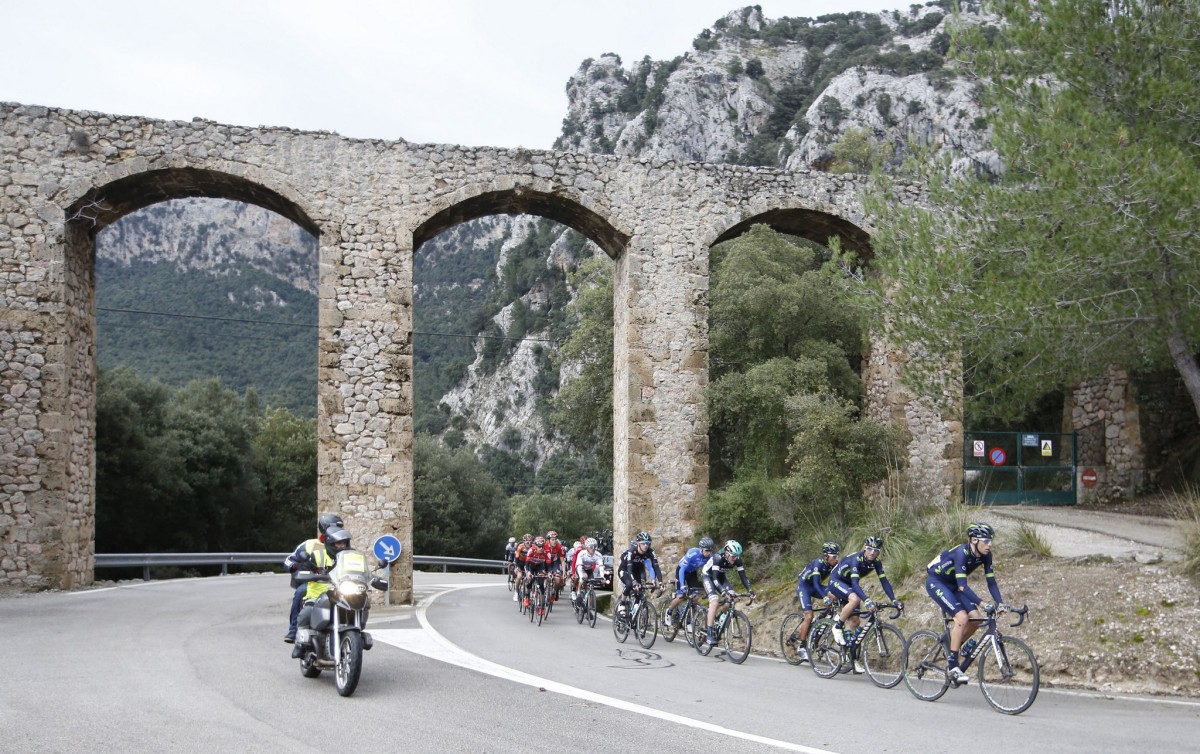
146	572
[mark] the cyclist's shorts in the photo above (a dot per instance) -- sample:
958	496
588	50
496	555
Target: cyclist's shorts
691	580
839	589
536	569
807	595
946	596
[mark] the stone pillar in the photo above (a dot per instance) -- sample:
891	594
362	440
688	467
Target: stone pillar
660	361
364	384
935	447
1104	413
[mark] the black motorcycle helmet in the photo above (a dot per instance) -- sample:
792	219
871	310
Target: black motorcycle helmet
336	540
329	521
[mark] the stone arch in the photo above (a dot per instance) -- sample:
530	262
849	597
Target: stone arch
814	225
70	391
110	200
552	204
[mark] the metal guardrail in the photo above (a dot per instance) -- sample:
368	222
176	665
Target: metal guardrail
224	559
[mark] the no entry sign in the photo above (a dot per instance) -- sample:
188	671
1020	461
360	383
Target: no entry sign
1088	477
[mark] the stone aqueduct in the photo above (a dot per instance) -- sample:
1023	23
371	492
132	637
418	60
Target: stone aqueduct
65	175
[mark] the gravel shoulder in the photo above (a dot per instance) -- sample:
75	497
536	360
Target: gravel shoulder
1107	612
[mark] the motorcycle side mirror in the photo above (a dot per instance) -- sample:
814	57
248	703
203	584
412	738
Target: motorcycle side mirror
379	584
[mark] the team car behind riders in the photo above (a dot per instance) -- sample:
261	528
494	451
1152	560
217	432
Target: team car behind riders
713	576
947	586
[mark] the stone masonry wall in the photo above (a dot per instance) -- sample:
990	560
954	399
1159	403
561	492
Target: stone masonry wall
64	175
1105	414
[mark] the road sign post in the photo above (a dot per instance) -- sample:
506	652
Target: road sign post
387	548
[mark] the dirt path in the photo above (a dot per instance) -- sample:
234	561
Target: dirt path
1075	533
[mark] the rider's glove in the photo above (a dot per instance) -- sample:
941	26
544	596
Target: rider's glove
827	600
1003	608
869	605
988	607
898	604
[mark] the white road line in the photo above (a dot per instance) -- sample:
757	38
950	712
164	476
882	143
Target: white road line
432	644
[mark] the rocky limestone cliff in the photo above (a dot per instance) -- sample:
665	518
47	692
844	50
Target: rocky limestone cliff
214	235
713	103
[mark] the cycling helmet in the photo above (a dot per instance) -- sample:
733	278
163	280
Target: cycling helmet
511	540
734	548
336	540
539	541
552	534
590	543
527	537
831	548
873	542
642	536
706	543
328	521
981	530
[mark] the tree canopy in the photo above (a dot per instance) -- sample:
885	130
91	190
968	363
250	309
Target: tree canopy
1083	252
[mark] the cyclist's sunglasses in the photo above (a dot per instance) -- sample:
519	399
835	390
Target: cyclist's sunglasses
985	540
871	549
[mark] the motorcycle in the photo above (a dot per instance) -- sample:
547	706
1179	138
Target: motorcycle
331	632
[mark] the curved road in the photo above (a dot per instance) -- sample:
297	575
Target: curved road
198	665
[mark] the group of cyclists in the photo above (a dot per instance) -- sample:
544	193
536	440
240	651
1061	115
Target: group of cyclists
543	561
830	579
700	569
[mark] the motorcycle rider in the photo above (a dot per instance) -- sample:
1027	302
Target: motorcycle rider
324	559
300	560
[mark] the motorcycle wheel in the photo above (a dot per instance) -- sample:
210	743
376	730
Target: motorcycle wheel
349	666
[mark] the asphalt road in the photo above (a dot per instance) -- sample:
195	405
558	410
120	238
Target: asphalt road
199	666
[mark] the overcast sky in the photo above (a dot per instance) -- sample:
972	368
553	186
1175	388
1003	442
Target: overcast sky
471	72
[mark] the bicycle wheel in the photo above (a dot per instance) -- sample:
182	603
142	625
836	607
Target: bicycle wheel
823	652
925	666
579	606
646	625
789	638
739	636
693	618
540	605
511	580
620	626
1009	676
882	653
669	632
589	607
702	645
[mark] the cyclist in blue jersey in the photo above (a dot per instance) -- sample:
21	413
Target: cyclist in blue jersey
947	586
845	584
810	588
687	575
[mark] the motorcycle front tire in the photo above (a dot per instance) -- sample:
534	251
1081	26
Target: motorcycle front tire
349	666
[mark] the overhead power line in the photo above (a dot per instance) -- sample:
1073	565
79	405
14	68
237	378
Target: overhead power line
303	324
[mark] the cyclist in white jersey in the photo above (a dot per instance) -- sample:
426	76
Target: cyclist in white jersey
589	564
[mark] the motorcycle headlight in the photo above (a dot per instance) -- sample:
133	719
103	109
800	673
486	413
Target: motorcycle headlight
351	588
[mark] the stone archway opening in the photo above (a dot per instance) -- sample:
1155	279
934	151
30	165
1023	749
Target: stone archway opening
528	253
89	220
782	342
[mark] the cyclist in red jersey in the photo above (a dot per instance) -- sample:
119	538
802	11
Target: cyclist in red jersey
558	561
